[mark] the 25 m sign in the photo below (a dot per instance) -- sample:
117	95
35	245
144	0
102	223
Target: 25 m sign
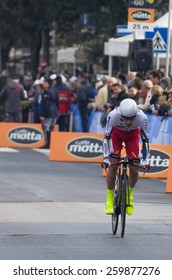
140	19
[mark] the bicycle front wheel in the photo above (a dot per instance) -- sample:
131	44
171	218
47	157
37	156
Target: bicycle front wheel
124	186
115	215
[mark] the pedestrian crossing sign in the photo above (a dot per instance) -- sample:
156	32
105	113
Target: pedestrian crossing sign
159	37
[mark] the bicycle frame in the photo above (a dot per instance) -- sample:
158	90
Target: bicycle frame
121	194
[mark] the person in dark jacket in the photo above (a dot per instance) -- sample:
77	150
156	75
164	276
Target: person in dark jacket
134	93
83	98
13	94
48	107
117	95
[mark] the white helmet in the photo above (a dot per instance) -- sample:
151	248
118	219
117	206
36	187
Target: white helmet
128	108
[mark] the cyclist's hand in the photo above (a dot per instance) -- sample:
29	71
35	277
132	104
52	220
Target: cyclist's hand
146	166
105	164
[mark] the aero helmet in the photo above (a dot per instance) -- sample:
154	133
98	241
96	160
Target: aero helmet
128	108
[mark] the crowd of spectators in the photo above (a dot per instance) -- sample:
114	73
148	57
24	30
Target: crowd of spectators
69	100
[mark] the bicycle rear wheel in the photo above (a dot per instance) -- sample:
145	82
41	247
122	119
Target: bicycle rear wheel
124	186
115	215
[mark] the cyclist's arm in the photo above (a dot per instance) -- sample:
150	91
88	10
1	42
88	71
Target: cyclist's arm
145	147
145	142
143	123
108	132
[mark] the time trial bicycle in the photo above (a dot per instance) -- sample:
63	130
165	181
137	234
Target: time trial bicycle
121	194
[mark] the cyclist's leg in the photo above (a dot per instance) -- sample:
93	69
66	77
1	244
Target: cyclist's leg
115	152
132	150
115	149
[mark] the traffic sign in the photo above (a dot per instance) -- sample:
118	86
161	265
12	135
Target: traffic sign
122	30
159	37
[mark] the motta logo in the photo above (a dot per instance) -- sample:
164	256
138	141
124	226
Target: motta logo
85	147
141	15
25	135
159	161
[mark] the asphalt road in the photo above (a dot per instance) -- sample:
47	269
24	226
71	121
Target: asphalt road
54	211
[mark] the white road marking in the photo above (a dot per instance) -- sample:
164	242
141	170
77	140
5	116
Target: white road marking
43	151
8	150
79	212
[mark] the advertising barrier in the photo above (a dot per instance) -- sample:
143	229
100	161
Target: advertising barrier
169	177
87	147
159	161
76	147
80	147
21	135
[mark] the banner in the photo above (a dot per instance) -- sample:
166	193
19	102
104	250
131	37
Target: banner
159	161
141	15
22	135
76	147
87	147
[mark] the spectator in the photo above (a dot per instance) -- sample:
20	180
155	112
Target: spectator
48	104
102	95
156	91
115	96
130	78
134	93
170	106
164	106
119	92
13	93
83	98
155	77
144	101
64	104
168	90
27	83
137	83
164	82
34	95
99	83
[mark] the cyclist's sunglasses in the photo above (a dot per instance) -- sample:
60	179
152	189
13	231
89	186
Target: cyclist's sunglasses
128	118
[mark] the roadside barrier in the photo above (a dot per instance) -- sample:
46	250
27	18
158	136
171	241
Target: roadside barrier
22	135
87	147
169	177
80	147
76	147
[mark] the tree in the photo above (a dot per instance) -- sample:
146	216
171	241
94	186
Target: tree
24	23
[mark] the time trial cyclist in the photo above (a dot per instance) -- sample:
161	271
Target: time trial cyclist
125	124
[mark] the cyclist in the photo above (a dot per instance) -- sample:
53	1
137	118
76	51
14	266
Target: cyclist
125	124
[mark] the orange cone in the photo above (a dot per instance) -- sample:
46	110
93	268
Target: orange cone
169	177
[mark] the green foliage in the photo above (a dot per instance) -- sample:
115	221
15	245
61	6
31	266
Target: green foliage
22	23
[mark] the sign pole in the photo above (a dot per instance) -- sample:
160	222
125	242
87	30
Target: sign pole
110	65
157	61
168	40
